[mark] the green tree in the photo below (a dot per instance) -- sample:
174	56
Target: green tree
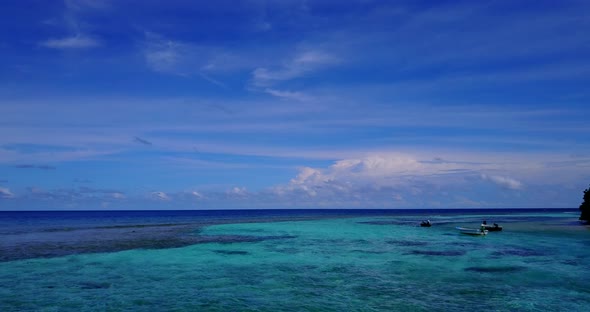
585	206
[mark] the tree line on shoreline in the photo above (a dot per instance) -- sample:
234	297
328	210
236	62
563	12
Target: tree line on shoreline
585	206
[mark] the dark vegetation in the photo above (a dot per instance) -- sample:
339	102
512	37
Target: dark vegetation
585	206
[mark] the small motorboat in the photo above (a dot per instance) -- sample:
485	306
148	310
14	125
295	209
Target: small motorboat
469	231
493	228
426	223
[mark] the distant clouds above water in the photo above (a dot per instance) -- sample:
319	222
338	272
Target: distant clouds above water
256	104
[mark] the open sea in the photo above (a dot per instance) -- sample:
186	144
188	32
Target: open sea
293	260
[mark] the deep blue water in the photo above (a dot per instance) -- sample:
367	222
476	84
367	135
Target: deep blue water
37	220
260	212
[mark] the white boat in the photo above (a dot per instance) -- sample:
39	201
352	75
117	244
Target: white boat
472	231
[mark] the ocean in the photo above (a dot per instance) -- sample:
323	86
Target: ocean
293	260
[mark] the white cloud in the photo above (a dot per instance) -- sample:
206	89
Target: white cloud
73	42
308	174
505	182
391	180
117	195
357	178
237	192
5	193
372	169
197	195
289	95
160	196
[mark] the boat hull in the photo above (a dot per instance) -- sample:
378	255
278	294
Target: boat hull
469	231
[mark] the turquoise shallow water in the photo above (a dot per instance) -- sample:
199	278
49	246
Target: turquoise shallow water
540	262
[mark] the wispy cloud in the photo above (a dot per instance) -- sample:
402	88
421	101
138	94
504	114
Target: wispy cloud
5	193
160	196
117	195
179	58
70	195
238	192
78	41
197	195
187	124
290	95
505	182
165	56
301	64
7	156
213	80
78	38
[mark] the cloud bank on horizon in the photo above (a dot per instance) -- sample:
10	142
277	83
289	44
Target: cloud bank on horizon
293	104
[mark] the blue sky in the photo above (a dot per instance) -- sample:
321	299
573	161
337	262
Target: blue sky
293	104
